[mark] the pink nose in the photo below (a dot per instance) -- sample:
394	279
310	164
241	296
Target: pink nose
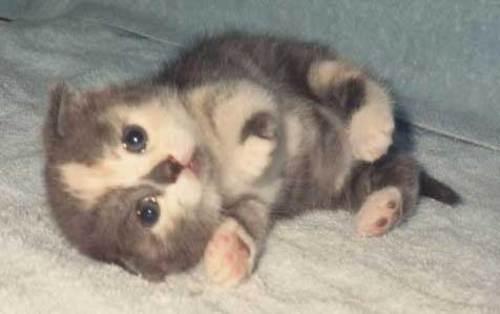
167	171
172	168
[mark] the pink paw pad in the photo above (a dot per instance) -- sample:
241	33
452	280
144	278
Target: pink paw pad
380	212
227	257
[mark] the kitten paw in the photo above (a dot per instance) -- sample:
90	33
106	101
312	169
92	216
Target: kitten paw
253	157
380	212
371	127
229	255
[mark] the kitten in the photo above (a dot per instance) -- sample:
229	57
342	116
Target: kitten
194	162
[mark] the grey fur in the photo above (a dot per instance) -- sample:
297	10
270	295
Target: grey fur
319	173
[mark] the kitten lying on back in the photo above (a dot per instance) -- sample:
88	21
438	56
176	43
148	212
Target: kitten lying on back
153	175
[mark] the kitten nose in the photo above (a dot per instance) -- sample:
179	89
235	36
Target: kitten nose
172	168
166	171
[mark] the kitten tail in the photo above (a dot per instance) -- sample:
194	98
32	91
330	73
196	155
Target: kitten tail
431	187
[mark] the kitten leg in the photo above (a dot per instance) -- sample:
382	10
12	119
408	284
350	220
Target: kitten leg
231	253
360	101
383	193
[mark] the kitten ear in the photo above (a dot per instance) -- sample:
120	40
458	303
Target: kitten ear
62	97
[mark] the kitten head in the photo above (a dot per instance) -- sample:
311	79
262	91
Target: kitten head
127	178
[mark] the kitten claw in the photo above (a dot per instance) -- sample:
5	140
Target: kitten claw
229	255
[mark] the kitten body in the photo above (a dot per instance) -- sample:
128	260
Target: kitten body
236	130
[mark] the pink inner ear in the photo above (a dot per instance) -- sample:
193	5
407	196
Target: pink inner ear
66	102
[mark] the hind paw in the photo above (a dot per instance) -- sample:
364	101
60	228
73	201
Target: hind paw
380	212
372	126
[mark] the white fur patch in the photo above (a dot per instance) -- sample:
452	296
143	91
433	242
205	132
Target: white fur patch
371	127
294	134
252	158
244	162
233	104
324	74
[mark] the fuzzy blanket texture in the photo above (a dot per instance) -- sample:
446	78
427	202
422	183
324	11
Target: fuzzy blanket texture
442	59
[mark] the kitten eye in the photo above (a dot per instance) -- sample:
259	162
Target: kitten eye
134	138
148	211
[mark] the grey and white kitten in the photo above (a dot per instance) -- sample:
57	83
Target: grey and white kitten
196	161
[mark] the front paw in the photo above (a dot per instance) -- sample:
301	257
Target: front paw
229	256
258	142
372	126
253	157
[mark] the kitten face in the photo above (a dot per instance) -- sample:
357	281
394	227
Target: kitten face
155	134
132	180
128	178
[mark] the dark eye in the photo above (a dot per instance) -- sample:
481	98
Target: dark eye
134	138
148	211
